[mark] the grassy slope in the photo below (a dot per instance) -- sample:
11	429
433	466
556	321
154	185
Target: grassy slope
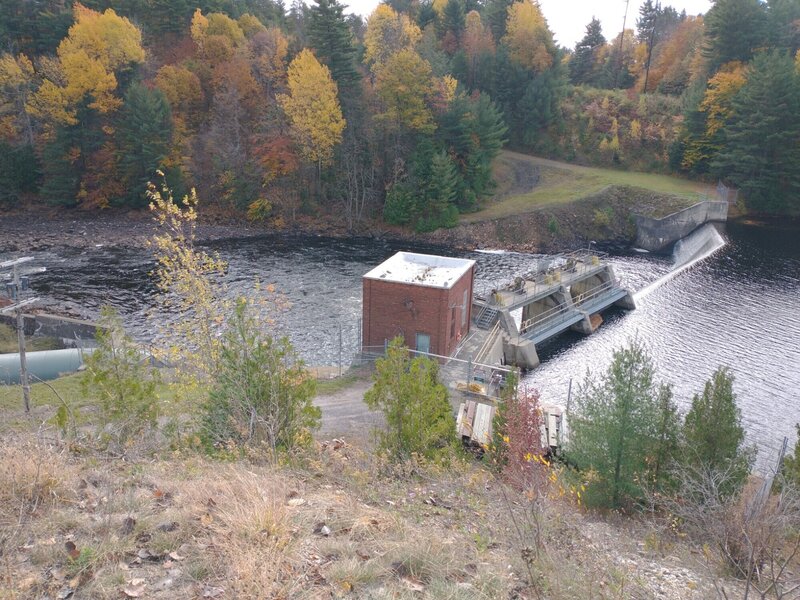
9	343
562	183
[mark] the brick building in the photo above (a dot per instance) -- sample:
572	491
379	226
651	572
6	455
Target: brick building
426	299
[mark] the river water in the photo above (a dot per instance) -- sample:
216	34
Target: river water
739	307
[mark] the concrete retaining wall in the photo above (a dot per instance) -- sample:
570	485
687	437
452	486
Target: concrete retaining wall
656	235
45	325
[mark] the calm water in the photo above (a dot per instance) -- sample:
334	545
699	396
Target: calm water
740	307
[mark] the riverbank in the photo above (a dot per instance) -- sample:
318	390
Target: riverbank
539	206
604	217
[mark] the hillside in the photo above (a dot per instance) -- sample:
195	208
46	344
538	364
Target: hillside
331	522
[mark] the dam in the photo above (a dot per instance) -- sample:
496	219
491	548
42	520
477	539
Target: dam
569	291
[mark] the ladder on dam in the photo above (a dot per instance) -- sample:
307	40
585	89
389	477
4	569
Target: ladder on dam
552	300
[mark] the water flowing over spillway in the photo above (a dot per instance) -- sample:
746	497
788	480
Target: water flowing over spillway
697	246
712	303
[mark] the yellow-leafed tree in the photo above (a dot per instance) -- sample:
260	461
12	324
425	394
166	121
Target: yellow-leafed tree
16	83
718	100
312	106
387	33
530	42
96	46
405	87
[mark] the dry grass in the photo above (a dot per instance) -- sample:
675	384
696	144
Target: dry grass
334	525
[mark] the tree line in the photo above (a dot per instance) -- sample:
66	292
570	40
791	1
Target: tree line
281	113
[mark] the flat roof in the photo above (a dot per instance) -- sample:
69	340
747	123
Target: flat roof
421	269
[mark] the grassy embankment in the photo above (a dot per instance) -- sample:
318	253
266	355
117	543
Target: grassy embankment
9	343
564	183
333	522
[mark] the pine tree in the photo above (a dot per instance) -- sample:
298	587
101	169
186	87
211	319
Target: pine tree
734	30
439	192
618	429
453	20
582	63
761	153
331	39
407	391
646	21
783	17
474	132
712	430
168	16
495	14
61	168
144	135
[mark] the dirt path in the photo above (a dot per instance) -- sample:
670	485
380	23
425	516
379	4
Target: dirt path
344	413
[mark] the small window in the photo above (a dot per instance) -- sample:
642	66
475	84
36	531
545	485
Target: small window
453	322
423	343
464	310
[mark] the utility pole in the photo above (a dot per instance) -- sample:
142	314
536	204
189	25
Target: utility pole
621	40
650	46
15	289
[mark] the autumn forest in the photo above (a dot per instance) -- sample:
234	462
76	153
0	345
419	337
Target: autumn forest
277	112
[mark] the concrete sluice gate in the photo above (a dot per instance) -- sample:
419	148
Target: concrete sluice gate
569	296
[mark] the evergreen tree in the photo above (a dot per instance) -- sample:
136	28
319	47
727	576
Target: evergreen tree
620	428
122	382
262	392
647	21
439	193
144	134
61	168
19	172
168	16
474	132
783	25
761	153
712	430
734	30
453	20
426	14
790	469
582	63
407	391
331	39
495	14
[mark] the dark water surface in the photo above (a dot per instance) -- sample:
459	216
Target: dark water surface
739	307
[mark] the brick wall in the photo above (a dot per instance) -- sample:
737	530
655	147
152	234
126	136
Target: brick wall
391	309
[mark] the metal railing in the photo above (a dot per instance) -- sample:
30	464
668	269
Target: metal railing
578	262
551	316
483	352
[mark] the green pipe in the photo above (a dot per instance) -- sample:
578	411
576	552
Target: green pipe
45	365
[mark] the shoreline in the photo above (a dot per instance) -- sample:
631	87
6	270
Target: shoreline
39	228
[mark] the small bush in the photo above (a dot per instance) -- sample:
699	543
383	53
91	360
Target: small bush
119	376
399	206
407	391
262	394
602	217
553	226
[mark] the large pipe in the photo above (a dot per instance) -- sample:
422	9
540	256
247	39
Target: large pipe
45	365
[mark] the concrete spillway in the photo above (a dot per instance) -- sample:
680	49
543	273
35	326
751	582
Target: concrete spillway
569	296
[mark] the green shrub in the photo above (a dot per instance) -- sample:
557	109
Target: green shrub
553	226
407	391
119	375
262	395
399	206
